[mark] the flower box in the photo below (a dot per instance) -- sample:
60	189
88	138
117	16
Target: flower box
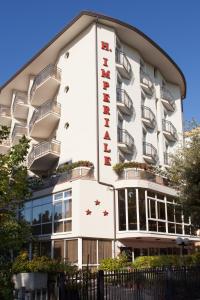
31	281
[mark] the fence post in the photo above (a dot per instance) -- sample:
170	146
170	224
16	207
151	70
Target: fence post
62	287
169	285
100	285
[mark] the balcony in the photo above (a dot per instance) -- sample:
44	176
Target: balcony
148	117
18	132
146	83
169	130
20	106
44	155
125	141
137	174
149	153
4	146
167	99
44	120
123	65
124	102
45	85
5	116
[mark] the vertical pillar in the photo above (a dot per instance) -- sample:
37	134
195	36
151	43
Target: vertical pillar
80	253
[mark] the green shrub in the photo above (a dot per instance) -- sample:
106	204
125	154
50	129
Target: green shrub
80	163
143	262
118	168
114	264
40	264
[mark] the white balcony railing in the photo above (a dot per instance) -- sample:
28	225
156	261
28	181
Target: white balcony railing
50	106
42	149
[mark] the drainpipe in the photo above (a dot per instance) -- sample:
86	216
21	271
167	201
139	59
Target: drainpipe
97	136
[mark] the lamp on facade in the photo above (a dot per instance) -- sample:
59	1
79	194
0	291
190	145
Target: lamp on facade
182	243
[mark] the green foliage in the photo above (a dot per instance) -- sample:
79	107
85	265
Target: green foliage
13	189
118	168
40	264
144	262
6	285
184	173
114	264
80	163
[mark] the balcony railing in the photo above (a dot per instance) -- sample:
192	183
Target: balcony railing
125	138
167	96
124	98
121	59
149	150
50	106
169	128
20	98
133	173
146	82
4	111
18	131
41	149
50	71
78	173
148	114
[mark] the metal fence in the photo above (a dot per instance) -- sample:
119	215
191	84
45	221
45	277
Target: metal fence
147	284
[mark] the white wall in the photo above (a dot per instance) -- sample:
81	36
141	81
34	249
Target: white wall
78	106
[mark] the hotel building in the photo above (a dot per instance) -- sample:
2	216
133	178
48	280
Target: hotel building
101	91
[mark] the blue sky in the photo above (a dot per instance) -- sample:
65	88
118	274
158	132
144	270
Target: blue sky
26	26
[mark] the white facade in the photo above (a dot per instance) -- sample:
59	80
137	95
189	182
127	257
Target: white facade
102	92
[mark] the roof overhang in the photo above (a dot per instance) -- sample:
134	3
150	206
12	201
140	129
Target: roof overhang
130	35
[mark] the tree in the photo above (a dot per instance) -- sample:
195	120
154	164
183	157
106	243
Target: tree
14	189
184	174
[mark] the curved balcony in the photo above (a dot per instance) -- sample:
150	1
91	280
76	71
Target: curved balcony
45	85
125	141
148	117
122	63
146	83
5	116
44	155
18	132
169	130
44	120
137	174
20	105
149	153
5	146
167	99
124	102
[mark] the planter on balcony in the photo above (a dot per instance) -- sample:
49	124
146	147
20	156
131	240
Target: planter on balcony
31	281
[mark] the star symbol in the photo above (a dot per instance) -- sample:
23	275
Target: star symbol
105	213
97	202
88	212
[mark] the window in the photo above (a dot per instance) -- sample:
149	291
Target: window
71	249
89	251
52	213
62	211
132	213
104	249
142	209
58	249
121	210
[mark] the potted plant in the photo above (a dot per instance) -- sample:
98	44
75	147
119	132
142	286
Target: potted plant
33	274
30	274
